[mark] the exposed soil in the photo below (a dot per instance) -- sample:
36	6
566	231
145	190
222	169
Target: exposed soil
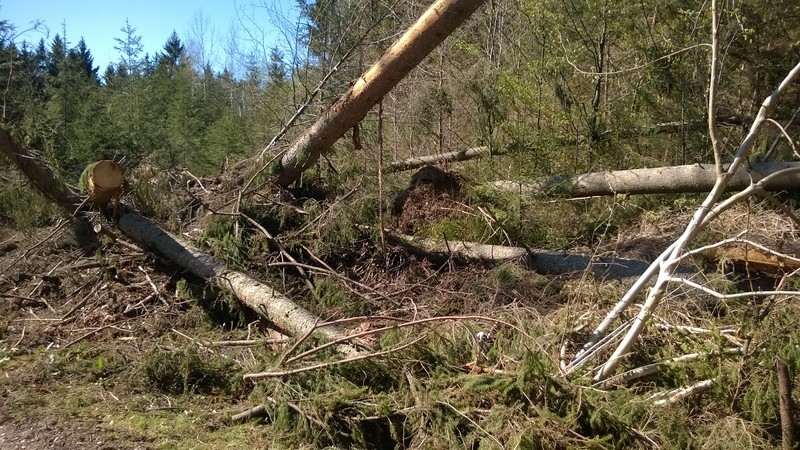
432	194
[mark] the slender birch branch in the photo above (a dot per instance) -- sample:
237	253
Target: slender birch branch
666	264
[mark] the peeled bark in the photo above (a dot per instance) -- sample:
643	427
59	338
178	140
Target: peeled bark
694	178
441	19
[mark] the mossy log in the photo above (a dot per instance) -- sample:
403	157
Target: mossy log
102	181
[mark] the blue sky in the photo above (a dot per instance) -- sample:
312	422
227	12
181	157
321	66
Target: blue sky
99	22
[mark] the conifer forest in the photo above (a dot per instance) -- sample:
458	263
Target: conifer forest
425	224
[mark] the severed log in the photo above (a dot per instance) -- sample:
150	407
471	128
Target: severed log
458	155
541	261
261	298
102	181
693	178
435	24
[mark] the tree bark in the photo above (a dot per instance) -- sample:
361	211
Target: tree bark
659	180
441	19
259	297
40	173
542	261
785	403
458	155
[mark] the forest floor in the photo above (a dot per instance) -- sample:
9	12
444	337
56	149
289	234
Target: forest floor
104	344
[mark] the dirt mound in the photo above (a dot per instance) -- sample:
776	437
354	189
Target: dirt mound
432	195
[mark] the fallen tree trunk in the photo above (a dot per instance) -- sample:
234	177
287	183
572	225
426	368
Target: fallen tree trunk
441	19
458	155
694	178
261	298
541	261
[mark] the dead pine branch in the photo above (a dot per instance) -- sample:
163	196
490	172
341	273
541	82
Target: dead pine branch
676	395
283	373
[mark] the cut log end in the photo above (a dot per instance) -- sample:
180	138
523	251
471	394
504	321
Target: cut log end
102	181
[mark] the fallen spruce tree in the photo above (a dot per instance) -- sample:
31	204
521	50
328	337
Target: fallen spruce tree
433	27
263	299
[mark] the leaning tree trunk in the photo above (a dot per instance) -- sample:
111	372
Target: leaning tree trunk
692	178
441	19
261	298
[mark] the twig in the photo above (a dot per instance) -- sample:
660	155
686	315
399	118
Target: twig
590	352
712	91
475	424
199	344
50	272
247	342
302	339
721	296
152	285
650	369
380	182
199	183
786	404
255	376
283	250
677	395
334	274
81	303
80	338
22	336
244	416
